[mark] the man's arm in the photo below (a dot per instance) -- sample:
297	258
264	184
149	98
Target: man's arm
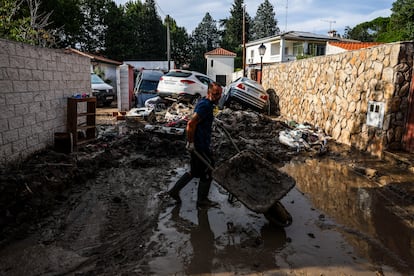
191	126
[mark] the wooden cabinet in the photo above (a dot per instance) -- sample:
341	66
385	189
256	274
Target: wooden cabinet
81	120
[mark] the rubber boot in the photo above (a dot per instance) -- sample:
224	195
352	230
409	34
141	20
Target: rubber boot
202	194
179	185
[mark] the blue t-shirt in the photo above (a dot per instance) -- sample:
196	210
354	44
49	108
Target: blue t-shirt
202	136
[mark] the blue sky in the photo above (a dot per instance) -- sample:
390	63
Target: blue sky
316	16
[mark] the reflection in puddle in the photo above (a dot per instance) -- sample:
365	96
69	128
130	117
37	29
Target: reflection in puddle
340	226
228	238
360	207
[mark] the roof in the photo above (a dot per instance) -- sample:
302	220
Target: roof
294	35
95	57
354	45
220	52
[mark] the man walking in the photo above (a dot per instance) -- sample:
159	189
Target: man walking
199	138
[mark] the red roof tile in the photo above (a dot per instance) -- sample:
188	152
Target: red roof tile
354	45
220	52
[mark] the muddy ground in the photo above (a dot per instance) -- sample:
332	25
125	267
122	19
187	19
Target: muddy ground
103	210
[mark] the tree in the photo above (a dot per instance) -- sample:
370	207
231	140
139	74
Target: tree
232	39
117	38
371	31
66	17
402	19
204	38
179	43
153	34
264	23
93	29
22	20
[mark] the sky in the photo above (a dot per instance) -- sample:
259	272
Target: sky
316	16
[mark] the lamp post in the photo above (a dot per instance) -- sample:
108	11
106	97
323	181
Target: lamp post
262	50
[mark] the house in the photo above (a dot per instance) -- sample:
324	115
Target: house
294	45
102	64
336	47
284	47
220	65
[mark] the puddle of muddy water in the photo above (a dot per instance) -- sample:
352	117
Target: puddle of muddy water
362	211
334	230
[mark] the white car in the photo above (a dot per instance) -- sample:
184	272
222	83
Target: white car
103	92
246	92
183	85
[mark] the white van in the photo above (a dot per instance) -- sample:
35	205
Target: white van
146	86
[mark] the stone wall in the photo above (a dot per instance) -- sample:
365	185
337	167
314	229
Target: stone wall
332	92
34	85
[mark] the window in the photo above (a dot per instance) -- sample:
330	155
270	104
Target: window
316	49
297	49
211	63
275	49
252	54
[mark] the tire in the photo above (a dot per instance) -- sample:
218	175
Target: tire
278	215
273	102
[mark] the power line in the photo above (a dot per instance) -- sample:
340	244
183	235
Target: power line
330	23
160	8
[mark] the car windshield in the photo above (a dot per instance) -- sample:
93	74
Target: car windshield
178	74
95	79
148	85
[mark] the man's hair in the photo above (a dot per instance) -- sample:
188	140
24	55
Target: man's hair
212	84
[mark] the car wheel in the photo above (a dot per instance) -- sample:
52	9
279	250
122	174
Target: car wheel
278	215
273	102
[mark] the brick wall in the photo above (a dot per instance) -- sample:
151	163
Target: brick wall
34	85
333	92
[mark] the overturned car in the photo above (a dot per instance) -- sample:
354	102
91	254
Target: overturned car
250	94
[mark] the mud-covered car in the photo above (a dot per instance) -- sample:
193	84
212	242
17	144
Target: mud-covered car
146	86
249	94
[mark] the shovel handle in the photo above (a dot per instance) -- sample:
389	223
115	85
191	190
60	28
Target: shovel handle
220	124
203	159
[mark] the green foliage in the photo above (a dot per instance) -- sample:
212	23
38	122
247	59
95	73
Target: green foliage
368	31
66	17
298	57
233	27
402	19
398	27
264	23
117	40
204	38
21	21
179	43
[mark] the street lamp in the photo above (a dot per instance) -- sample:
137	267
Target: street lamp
262	50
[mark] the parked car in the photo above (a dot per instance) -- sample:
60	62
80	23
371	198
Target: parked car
146	86
103	92
183	85
247	93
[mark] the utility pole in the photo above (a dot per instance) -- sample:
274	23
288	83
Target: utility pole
168	41
244	40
